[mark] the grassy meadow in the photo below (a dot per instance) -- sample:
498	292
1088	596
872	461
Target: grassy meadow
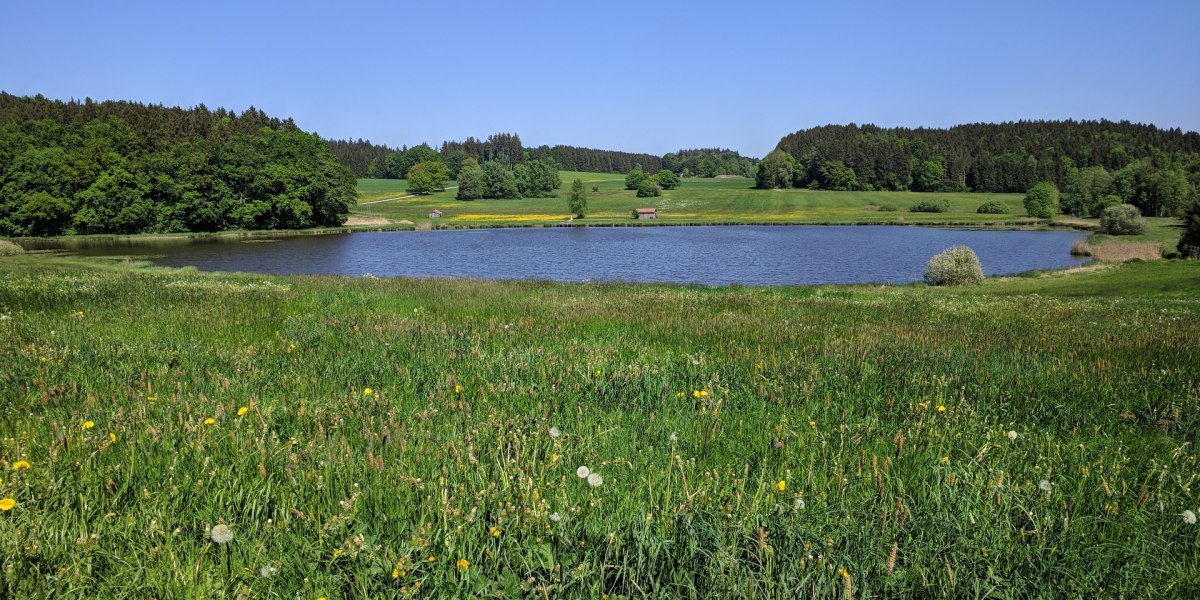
169	433
696	201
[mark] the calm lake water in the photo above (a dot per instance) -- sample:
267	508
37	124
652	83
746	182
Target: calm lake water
706	255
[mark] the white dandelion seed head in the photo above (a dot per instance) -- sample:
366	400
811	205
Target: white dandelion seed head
554	432
222	534
1044	485
582	472
674	438
267	571
556	517
798	504
1189	517
595	480
695	361
1012	436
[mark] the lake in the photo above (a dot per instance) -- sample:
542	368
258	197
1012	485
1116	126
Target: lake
750	255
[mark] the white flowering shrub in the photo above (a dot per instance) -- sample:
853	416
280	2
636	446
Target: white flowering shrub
1122	219
955	266
8	248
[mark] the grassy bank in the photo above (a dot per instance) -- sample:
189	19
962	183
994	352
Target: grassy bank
397	438
697	201
731	201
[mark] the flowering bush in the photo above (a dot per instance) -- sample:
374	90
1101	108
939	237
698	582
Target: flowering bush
8	248
1122	219
955	266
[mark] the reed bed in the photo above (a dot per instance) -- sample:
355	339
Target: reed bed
1114	250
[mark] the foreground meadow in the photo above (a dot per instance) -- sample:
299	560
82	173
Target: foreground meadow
179	434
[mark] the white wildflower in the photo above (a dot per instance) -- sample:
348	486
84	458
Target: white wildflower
595	480
556	517
1012	436
1189	517
1044	486
582	472
554	432
221	534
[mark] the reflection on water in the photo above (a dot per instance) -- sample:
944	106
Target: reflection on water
749	255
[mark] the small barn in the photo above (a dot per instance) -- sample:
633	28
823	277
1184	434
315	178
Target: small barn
647	213
435	213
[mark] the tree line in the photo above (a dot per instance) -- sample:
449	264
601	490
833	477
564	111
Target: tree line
121	167
358	155
381	162
708	162
1005	157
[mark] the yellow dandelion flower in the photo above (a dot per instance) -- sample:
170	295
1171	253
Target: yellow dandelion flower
150	398
243	410
7	504
782	485
395	573
553	458
20	464
941	408
368	391
946	459
462	564
112	437
812	424
844	573
431	558
417	583
210	421
457	389
337	553
495	531
89	424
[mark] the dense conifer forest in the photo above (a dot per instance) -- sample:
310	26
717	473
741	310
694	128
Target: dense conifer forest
376	161
124	167
360	154
1156	169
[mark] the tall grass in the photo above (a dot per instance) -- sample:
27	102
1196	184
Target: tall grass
393	438
1113	250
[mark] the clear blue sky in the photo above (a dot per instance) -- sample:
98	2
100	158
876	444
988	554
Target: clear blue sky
643	76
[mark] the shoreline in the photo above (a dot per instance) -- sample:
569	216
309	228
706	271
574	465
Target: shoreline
69	242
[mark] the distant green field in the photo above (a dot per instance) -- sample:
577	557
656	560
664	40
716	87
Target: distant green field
377	189
730	200
711	201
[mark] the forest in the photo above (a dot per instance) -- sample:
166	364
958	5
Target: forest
1156	169
374	161
115	167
